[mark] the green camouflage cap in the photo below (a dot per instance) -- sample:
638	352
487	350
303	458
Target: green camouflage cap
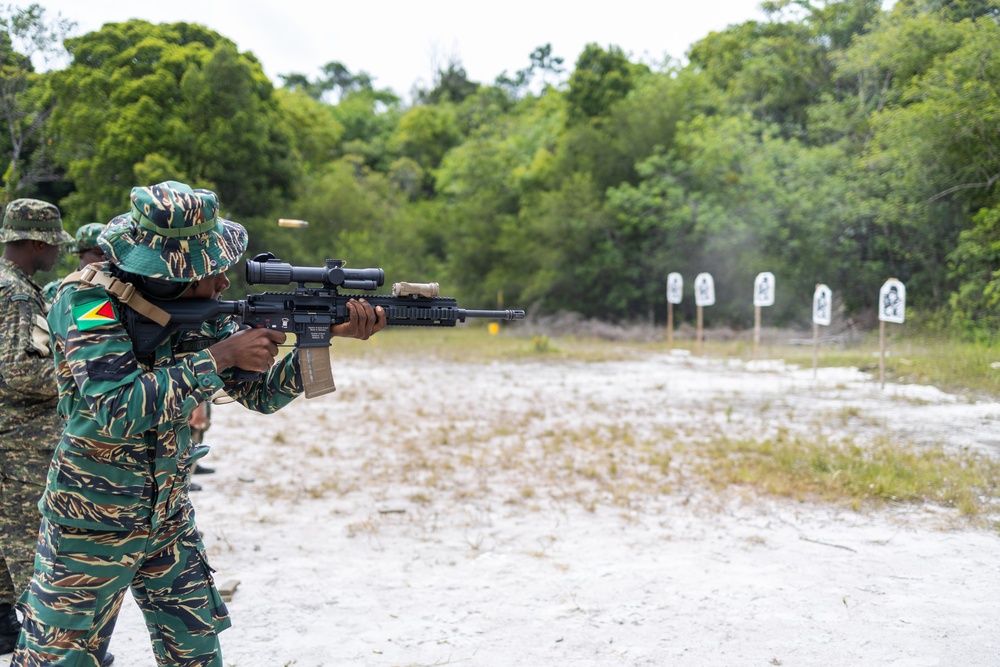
34	220
173	232
86	237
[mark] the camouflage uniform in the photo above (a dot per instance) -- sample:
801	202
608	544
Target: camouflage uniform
116	507
85	239
29	425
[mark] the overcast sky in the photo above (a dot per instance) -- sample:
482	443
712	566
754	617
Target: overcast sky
401	43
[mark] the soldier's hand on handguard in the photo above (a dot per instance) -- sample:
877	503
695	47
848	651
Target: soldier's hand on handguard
249	349
365	321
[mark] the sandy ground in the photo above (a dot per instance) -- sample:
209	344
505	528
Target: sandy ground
537	512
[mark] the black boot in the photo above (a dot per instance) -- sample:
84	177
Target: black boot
10	628
107	660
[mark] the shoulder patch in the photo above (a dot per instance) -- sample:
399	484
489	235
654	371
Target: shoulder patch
94	314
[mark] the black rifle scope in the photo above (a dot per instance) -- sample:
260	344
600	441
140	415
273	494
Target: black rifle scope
266	269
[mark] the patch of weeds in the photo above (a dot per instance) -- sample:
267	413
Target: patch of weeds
846	415
911	400
661	461
420	498
366	527
881	473
323	489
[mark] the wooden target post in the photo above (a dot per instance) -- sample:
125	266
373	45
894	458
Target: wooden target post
670	327
701	330
881	353
756	330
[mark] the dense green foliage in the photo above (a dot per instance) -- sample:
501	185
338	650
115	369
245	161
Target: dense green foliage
834	142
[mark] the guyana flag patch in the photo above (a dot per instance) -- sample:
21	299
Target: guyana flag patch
94	314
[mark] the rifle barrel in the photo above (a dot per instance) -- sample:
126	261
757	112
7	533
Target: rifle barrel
508	314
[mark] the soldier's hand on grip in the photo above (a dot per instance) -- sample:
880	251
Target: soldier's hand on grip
249	349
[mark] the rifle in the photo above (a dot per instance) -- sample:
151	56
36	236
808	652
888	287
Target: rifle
307	312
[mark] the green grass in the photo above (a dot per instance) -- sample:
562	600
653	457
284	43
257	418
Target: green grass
912	357
877	474
951	365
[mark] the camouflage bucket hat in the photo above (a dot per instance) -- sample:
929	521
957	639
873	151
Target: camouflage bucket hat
34	220
173	233
86	237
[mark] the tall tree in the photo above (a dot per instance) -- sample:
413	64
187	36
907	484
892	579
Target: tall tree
934	159
425	134
451	84
141	103
601	78
24	34
335	78
542	61
774	69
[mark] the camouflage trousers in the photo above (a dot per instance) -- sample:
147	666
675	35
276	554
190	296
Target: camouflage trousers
80	580
19	519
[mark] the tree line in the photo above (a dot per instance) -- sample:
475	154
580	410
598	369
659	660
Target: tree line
832	142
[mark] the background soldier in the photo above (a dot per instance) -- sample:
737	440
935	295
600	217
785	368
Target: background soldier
201	420
87	249
29	425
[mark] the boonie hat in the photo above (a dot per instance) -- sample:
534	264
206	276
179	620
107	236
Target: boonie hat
35	220
86	237
173	232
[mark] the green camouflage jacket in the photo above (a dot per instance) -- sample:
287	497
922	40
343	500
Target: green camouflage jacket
50	289
126	453
29	425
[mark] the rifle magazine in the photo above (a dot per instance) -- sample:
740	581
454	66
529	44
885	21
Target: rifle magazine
317	376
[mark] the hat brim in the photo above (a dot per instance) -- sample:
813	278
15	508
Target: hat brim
145	253
50	236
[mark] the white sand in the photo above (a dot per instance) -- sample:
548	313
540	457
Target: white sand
537	513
